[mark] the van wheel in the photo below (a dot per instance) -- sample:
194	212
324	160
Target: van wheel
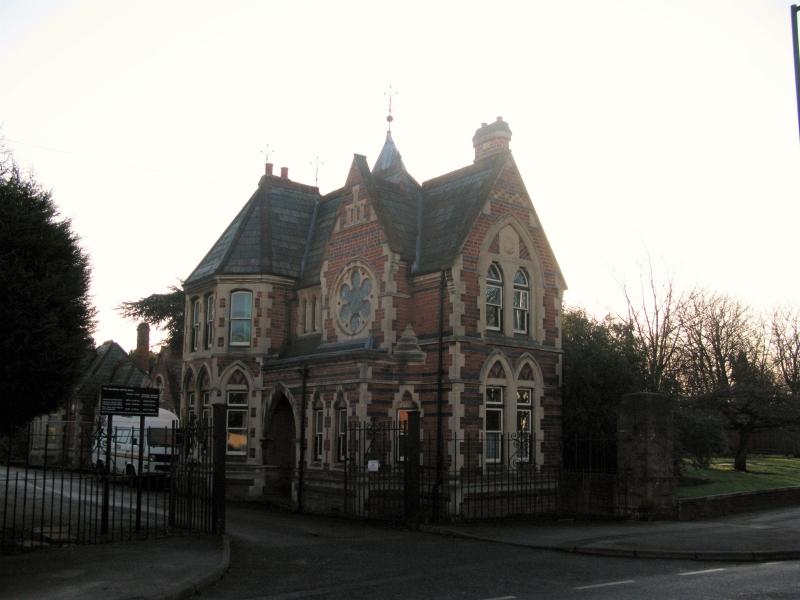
130	471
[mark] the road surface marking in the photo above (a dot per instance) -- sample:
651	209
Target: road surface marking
588	587
702	572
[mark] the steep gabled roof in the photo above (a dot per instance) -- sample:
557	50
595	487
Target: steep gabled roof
450	206
269	235
319	236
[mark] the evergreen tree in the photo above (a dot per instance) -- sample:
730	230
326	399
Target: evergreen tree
46	310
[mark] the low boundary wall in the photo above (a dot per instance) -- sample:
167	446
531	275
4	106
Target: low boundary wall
728	504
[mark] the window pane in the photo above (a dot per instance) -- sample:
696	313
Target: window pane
492	447
237	397
520	320
524	421
236	418
237	440
523	396
493	295
494	420
240	306
494	395
240	332
520	279
493	273
493	317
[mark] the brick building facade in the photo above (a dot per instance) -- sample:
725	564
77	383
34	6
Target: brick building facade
340	295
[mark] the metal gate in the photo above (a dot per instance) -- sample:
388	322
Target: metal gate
197	487
376	470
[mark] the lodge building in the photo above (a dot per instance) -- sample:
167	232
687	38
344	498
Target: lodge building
315	312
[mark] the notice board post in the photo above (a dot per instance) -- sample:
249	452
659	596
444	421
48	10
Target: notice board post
130	402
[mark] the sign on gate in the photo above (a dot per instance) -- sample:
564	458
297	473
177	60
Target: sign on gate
129	401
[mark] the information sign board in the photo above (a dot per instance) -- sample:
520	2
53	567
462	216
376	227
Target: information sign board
129	401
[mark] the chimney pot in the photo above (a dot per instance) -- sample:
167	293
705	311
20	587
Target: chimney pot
483	124
143	346
269	168
285	172
499	118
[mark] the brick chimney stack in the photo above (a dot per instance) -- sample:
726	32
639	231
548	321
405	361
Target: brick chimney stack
491	139
143	346
285	172
269	168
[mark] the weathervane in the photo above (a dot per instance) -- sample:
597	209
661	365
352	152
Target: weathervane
316	173
390	118
267	152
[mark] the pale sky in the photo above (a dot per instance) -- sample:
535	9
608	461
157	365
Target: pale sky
637	124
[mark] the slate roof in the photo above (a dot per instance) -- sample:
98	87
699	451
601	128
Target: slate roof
318	237
450	206
107	364
284	228
269	235
389	156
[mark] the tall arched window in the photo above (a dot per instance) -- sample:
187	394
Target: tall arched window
209	334
521	302
195	324
494	298
314	313
341	429
305	315
318	423
240	318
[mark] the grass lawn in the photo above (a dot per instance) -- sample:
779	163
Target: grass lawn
763	472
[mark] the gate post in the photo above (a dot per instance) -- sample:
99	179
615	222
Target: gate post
411	462
218	483
644	456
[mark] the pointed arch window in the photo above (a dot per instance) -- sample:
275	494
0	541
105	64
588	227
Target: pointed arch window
314	313
494	298
521	302
195	323
341	429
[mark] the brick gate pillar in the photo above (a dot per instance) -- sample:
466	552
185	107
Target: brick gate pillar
644	456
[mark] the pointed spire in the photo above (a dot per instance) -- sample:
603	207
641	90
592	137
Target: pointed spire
389	156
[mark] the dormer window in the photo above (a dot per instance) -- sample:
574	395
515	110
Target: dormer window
494	298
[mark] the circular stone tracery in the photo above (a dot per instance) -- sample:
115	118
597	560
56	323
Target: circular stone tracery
354	300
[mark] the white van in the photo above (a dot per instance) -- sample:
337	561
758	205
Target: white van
125	440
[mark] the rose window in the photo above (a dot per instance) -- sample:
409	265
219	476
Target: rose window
355	305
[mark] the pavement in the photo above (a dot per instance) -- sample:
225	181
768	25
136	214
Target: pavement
180	567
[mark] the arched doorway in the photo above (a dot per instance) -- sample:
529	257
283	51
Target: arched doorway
280	452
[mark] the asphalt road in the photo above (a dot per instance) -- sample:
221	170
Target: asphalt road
281	555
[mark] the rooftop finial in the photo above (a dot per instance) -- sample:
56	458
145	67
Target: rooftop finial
316	173
390	118
267	152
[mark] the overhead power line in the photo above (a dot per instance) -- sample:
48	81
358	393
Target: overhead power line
113	162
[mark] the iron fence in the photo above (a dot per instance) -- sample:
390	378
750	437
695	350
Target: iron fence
392	474
68	482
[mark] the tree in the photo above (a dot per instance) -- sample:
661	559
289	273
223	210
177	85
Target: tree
728	369
162	311
654	317
46	309
785	333
600	363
